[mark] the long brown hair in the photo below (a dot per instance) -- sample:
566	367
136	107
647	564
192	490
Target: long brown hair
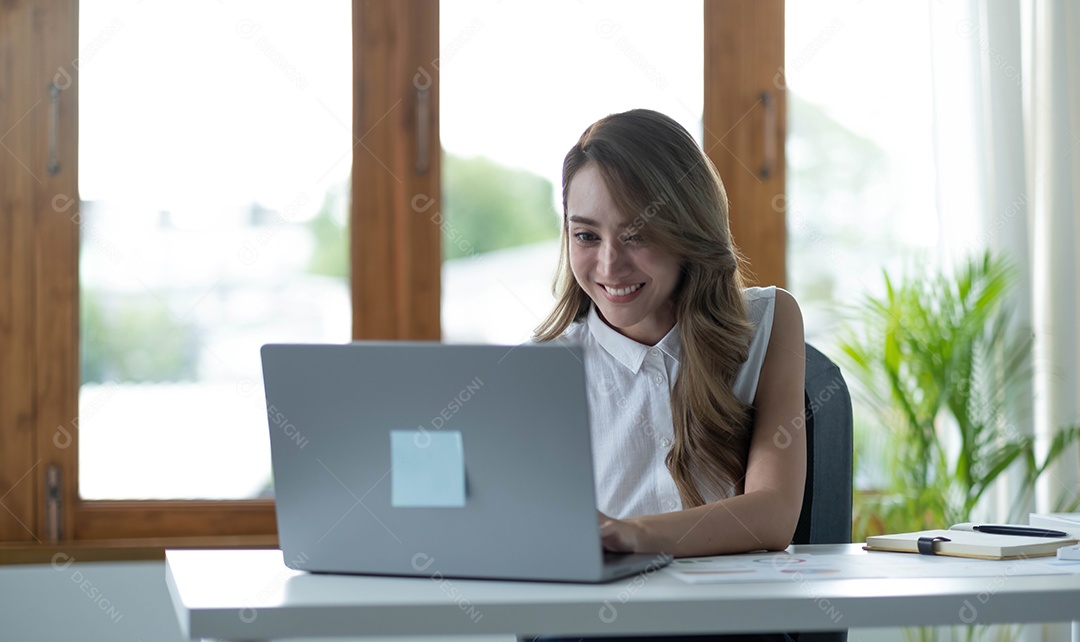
665	185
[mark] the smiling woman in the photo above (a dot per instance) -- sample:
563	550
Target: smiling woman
707	376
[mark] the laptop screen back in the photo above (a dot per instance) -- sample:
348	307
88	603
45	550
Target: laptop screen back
426	459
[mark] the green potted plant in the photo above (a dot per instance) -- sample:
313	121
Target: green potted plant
946	371
941	366
947	375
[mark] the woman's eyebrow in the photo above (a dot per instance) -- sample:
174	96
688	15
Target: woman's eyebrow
582	219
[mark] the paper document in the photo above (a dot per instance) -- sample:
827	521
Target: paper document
785	567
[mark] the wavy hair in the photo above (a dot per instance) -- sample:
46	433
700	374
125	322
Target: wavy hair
664	184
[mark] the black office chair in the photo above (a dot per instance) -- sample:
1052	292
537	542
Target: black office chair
826	509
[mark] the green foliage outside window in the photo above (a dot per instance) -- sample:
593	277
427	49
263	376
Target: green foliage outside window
488	206
485	207
137	340
331	255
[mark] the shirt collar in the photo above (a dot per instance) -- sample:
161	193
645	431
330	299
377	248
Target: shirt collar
625	350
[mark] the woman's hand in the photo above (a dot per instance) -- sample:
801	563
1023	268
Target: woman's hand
621	536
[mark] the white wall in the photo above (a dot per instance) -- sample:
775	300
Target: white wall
98	602
87	602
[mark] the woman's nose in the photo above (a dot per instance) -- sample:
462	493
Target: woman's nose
612	257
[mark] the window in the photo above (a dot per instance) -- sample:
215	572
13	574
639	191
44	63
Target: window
393	233
860	164
39	427
222	231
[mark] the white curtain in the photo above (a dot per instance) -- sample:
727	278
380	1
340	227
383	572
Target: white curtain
1052	132
1006	77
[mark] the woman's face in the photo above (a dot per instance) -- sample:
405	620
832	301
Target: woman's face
630	281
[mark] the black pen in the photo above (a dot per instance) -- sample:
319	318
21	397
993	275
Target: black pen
1025	531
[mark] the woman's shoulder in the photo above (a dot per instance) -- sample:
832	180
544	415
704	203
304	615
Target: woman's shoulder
788	315
773	312
769	296
772	309
769	308
757	293
760	303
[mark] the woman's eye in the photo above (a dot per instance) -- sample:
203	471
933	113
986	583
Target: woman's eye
585	237
634	238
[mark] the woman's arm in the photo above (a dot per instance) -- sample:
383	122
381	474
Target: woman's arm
765	515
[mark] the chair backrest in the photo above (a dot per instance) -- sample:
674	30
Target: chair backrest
826	509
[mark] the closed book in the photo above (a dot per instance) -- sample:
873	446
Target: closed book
961	541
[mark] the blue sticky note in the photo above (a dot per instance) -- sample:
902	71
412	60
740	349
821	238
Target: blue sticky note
428	469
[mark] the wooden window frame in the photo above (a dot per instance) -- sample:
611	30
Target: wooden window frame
394	232
745	118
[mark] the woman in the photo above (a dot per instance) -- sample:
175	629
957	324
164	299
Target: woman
696	383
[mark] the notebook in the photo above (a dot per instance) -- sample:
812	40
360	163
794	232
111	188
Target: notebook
961	540
436	460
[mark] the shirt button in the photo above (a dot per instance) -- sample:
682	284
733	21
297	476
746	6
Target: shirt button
659	379
665	442
654	352
671	504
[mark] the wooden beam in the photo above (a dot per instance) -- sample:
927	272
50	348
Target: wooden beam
122	549
55	215
395	215
20	98
106	520
746	123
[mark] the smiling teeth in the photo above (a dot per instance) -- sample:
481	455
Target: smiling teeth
623	291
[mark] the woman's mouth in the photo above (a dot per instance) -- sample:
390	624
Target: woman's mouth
624	291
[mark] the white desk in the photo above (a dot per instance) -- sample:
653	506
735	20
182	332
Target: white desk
252	595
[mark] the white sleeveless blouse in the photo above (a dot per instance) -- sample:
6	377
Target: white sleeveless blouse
629	389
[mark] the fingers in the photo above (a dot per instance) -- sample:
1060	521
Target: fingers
616	536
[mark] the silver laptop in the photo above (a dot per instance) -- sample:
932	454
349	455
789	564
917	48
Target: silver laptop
436	460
